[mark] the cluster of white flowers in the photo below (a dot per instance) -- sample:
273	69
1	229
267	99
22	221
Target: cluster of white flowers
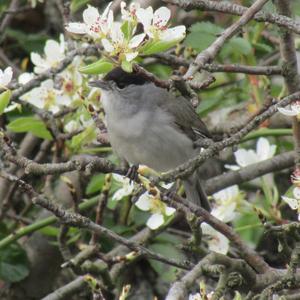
69	89
146	202
52	96
119	39
224	210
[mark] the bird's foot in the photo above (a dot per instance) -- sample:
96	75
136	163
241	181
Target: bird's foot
132	173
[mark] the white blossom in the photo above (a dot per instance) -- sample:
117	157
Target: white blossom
54	52
226	200
125	190
155	24
118	44
130	14
155	221
159	210
94	24
25	77
224	210
291	110
47	97
5	77
247	157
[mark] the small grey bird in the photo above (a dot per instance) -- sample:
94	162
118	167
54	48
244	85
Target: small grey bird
149	125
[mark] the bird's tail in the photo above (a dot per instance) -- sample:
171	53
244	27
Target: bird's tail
195	192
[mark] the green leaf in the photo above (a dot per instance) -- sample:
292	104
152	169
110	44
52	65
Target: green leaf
206	27
30	124
152	47
207	105
4	100
95	184
249	227
77	4
166	273
99	67
30	42
262	47
13	263
127	28
236	46
83	138
162	71
126	66
202	35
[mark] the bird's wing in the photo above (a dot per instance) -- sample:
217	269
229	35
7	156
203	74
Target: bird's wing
186	118
181	110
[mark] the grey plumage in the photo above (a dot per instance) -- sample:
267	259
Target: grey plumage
148	125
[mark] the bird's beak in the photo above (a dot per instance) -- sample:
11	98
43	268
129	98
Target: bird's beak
104	85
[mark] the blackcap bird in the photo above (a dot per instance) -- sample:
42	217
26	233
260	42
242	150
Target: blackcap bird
149	125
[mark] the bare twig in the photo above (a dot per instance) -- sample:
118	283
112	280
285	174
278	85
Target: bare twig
238	10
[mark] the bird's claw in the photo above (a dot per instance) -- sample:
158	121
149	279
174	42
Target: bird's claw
132	173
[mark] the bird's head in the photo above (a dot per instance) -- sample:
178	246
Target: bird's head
118	78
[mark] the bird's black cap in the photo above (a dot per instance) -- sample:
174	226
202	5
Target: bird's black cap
123	79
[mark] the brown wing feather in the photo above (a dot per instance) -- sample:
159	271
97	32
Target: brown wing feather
186	118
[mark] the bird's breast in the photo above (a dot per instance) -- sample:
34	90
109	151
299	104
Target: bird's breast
148	137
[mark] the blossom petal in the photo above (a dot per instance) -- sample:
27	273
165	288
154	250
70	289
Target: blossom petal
90	15
119	178
107	24
169	211
145	16
161	17
107	45
78	28
107	11
25	77
232	167
144	202
71	126
227	194
287	112
155	221
293	203
119	194
245	157
218	242
136	40
6	76
173	34
130	56
53	51
37	59
225	213
296	192
264	150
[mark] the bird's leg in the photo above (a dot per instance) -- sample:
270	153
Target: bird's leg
132	173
